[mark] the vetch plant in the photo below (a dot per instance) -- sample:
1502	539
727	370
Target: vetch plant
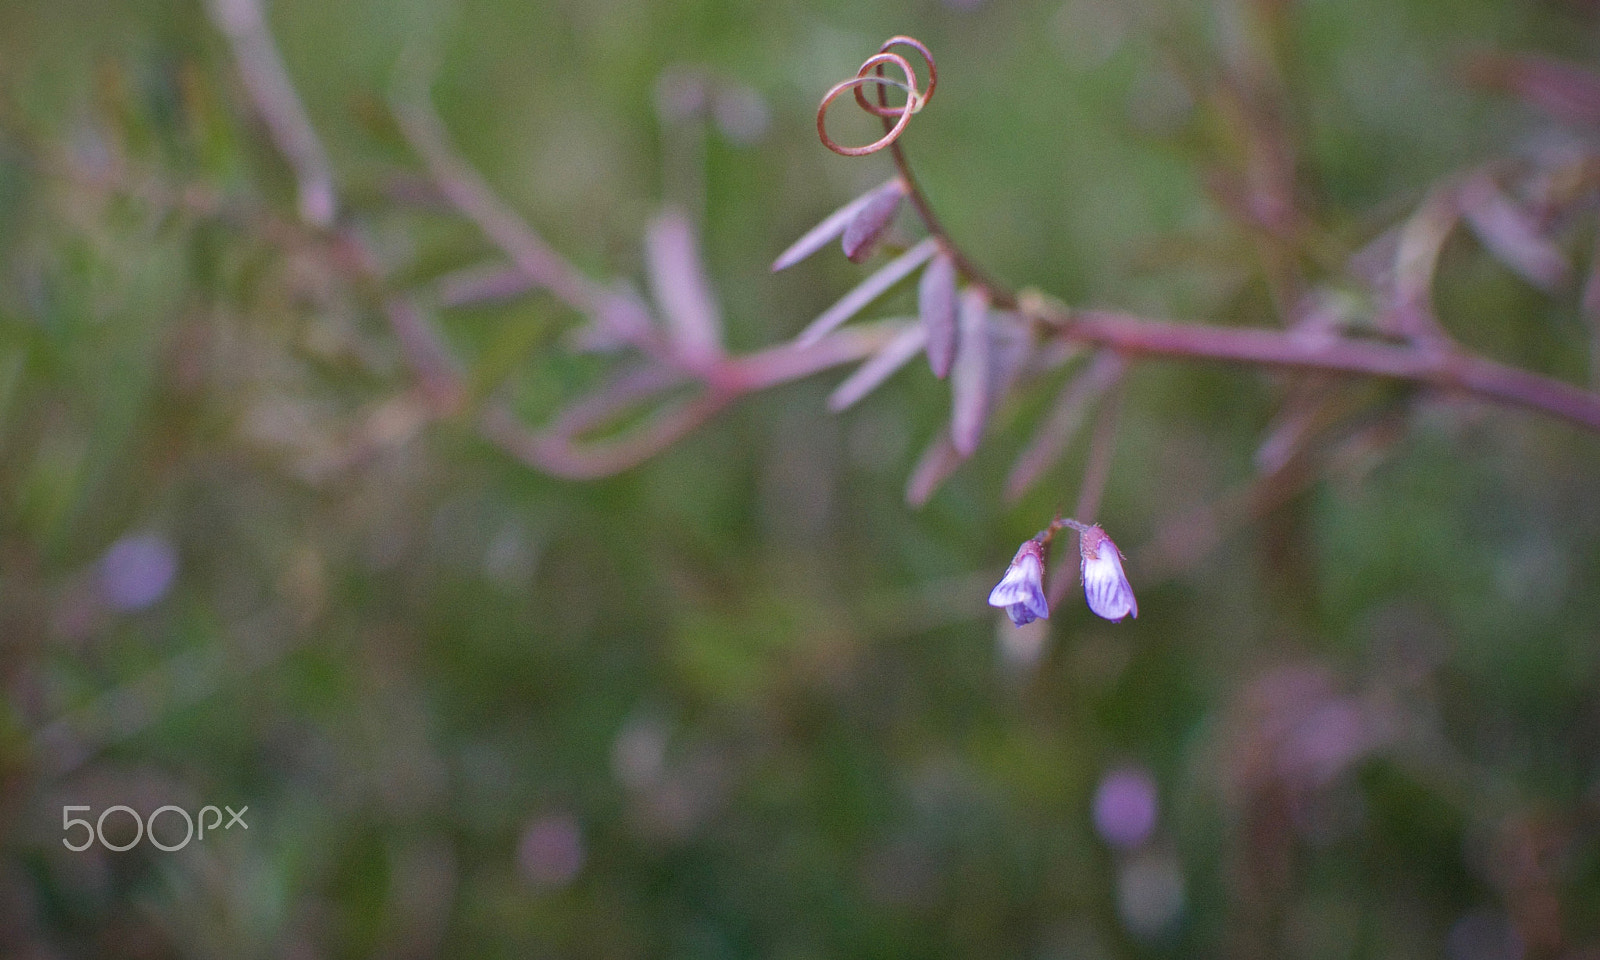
1371	316
347	396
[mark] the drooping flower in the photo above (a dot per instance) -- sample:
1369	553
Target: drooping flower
1105	585
1021	590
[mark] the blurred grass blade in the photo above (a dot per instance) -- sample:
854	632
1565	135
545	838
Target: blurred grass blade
482	284
1307	408
678	282
1063	423
1591	313
936	465
819	236
867	291
870	223
1566	91
883	365
936	307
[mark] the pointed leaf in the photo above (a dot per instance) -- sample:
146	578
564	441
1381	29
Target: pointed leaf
790	361
619	319
969	377
868	290
1011	347
1512	236
883	365
1308	408
678	282
936	306
1416	256
1416	259
818	236
870	223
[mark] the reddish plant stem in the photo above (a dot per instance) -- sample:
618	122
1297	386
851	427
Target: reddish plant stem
1092	488
999	294
557	452
561	457
1443	368
1435	363
1446	370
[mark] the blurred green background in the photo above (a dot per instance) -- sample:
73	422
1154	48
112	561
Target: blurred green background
742	701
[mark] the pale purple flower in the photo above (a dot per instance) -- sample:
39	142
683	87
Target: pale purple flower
137	570
550	853
1105	586
1126	807
1021	590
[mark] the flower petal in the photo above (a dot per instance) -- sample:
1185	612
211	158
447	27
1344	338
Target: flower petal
1021	614
1014	587
1021	590
1106	587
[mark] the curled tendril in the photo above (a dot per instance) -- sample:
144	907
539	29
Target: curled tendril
894	119
882	110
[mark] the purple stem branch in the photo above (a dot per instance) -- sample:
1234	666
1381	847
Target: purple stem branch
556	452
999	295
261	68
1446	370
1096	474
1433	361
266	81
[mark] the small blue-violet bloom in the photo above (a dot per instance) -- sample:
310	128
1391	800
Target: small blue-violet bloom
1105	585
1021	590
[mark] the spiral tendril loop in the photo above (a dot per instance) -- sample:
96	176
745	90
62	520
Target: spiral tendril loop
882	110
895	118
